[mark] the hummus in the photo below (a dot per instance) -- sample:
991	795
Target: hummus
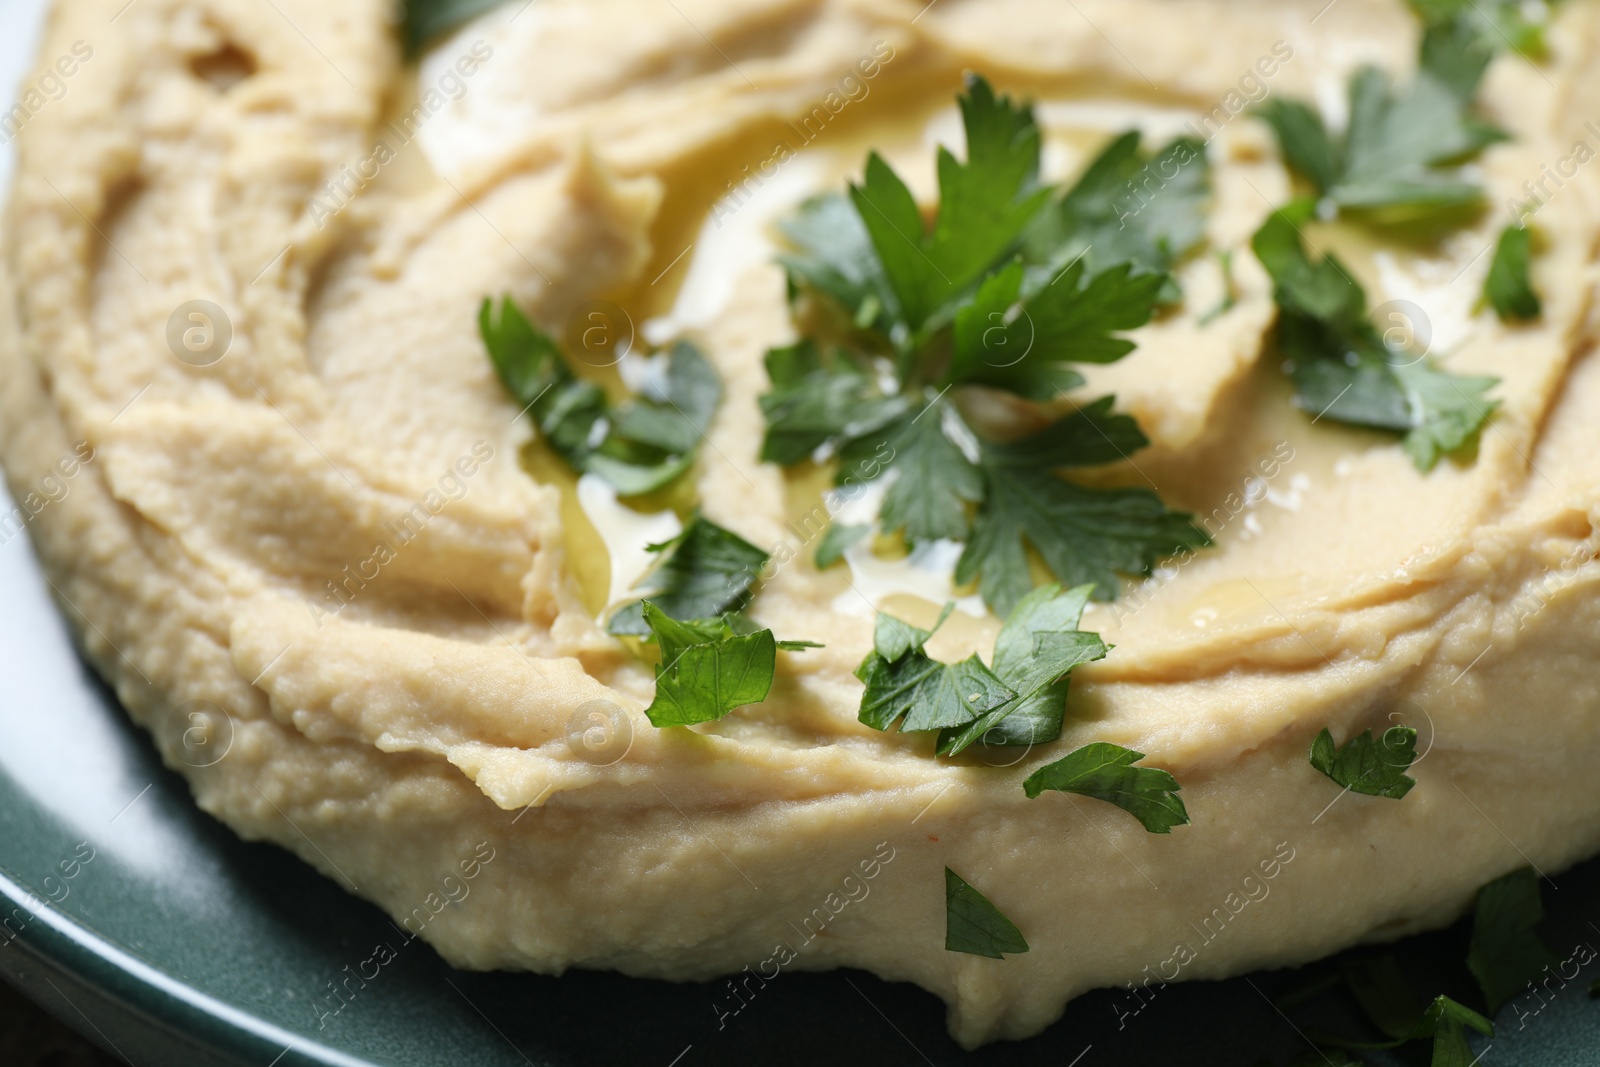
243	257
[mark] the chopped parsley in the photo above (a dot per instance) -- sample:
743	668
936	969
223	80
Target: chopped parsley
1380	987
837	540
713	658
1398	163
1112	214
1008	288
905	685
706	668
1341	367
1034	655
1083	535
1489	24
1020	701
426	19
1446	1022
1507	956
704	573
1507	287
975	926
1374	767
637	447
1399	160
1105	771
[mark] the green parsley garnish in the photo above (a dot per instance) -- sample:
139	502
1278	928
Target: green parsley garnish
1507	956
1105	771
1376	768
426	19
713	659
1380	987
1034	655
1341	367
704	573
904	683
1398	161
975	926
1446	1022
1491	24
836	540
1152	227
1084	536
1006	289
706	669
1020	701
1507	287
638	447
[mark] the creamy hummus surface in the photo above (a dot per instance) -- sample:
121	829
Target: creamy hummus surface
243	259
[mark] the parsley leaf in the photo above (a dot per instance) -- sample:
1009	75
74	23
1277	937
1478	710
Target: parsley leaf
984	205
531	367
1129	207
1341	367
1105	771
832	254
1445	1021
638	447
819	397
934	482
703	573
1005	291
1449	411
1506	954
904	682
1021	701
1085	536
1376	768
836	540
1395	163
675	417
975	926
1380	987
1489	24
1036	649
425	19
1507	287
1020	346
706	672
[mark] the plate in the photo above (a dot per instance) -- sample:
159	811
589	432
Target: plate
152	930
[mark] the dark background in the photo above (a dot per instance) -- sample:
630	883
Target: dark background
31	1038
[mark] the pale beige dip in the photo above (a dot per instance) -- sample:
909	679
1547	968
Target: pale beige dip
449	694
